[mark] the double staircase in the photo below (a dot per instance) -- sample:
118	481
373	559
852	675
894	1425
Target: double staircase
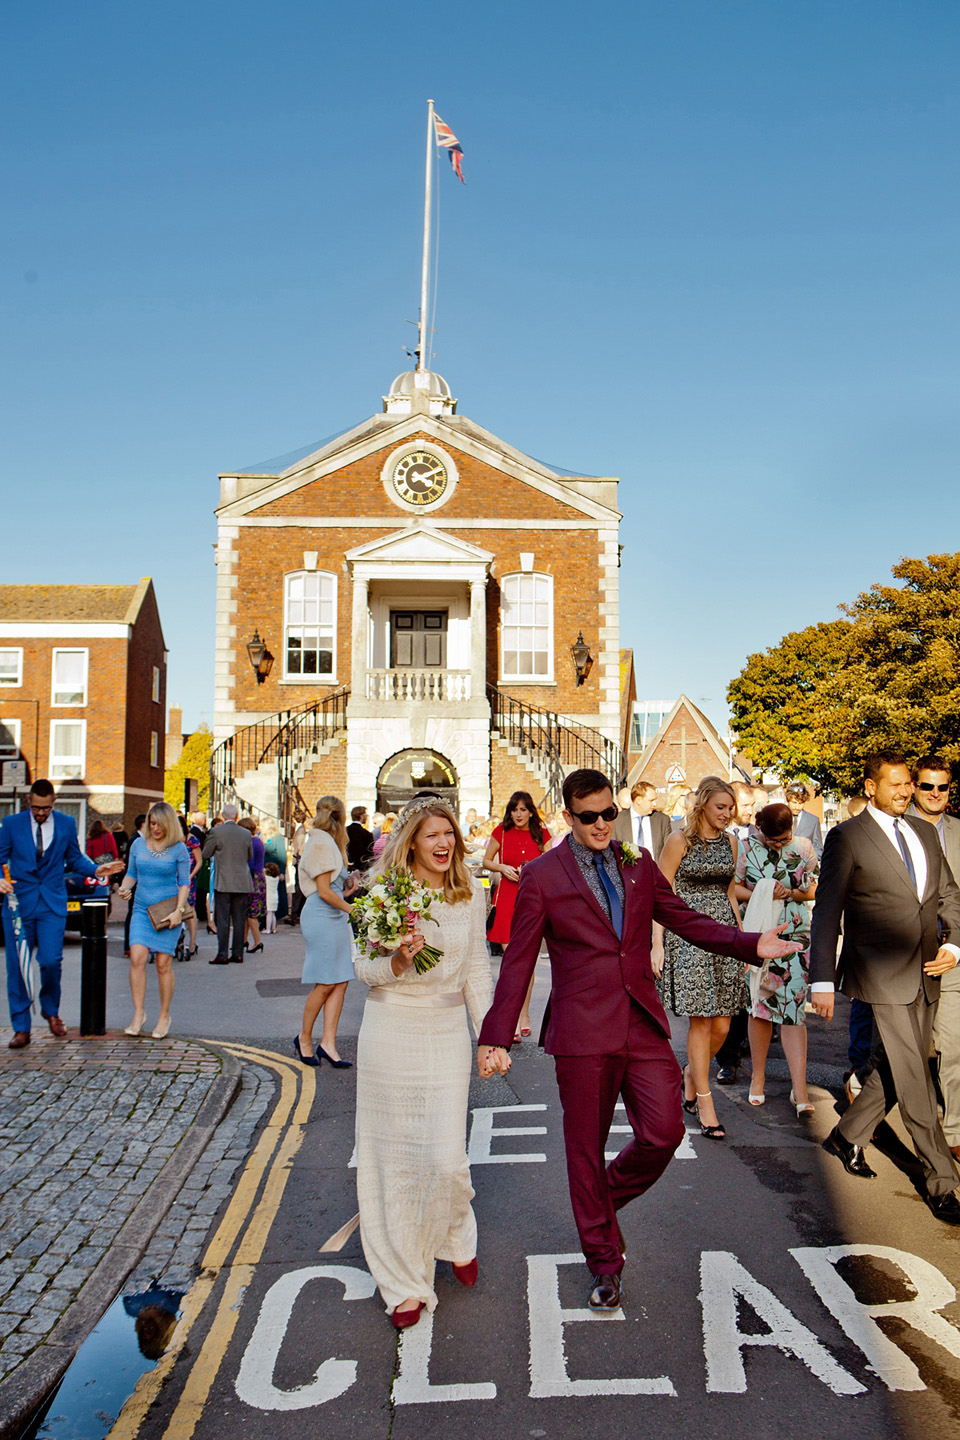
261	766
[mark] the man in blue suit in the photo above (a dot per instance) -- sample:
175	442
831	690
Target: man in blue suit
39	847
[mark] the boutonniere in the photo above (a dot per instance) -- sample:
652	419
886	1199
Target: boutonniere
629	852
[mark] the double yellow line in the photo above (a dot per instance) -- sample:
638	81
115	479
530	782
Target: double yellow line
272	1157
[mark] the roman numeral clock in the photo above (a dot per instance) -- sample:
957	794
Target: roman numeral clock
419	476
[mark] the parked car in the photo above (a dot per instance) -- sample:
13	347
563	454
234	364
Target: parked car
80	888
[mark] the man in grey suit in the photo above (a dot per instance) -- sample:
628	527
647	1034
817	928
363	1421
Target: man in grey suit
886	878
230	847
804	823
641	823
932	777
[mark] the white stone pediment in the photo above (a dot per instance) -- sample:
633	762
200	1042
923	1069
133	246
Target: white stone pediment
419	544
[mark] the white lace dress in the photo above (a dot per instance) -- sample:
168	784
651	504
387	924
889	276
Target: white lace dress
414	1060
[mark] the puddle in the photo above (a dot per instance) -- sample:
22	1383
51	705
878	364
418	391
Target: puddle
128	1342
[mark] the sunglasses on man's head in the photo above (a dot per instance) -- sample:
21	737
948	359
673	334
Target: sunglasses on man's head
928	785
590	817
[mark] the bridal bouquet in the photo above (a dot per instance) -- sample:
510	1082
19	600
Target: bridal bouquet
388	912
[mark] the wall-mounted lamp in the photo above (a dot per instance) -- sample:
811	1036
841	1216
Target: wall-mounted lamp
582	658
260	657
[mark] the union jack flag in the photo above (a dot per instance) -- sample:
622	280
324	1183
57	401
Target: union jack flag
449	142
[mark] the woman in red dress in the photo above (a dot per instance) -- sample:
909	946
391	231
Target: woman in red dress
519	838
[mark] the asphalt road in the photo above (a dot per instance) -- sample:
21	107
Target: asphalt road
766	1292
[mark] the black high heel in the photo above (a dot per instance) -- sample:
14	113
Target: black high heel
689	1105
252	949
304	1059
337	1064
712	1132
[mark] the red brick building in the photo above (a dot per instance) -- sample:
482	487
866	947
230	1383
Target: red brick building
83	677
425	593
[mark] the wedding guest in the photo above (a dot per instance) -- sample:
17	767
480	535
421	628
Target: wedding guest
296	846
380	844
275	852
101	846
700	861
271	875
780	991
805	825
413	1075
327	964
257	899
359	840
230	847
158	870
139	829
728	1056
519	838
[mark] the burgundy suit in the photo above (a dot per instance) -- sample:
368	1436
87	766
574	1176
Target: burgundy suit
604	1025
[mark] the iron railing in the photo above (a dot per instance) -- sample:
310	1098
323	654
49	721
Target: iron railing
558	743
286	739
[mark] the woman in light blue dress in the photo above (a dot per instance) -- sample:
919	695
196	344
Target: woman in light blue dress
328	963
159	867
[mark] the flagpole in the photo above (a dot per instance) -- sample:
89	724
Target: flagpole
425	271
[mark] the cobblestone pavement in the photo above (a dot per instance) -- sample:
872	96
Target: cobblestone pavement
97	1137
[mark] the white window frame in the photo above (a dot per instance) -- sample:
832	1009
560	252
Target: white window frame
154	749
56	771
294	678
56	704
65	804
17	650
155	686
525	578
8	752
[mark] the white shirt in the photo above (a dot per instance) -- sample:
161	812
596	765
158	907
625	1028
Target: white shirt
917	854
46	830
642	830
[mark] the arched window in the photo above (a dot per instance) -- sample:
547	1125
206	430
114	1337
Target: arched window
310	625
526	627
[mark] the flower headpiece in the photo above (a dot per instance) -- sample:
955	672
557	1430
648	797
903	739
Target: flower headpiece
415	806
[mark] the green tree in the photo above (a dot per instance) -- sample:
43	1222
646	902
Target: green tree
775	701
194	764
887	676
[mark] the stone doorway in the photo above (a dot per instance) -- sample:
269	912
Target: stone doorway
415	772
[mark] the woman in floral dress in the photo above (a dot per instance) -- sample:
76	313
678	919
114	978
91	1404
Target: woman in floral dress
770	853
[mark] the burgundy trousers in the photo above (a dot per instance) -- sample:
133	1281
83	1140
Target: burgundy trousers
645	1073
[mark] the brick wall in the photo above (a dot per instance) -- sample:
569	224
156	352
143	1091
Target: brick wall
144	714
507	774
327	777
700	757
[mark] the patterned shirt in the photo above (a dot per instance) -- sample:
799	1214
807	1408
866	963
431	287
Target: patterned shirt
587	860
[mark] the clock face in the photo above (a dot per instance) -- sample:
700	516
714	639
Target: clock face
420	478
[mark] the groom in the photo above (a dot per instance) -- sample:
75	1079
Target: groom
593	903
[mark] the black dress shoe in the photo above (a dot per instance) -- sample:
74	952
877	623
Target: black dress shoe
605	1294
727	1075
236	960
219	960
945	1208
850	1156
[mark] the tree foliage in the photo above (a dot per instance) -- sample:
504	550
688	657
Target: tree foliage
888	676
194	764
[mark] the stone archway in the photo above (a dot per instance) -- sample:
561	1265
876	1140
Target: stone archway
414	772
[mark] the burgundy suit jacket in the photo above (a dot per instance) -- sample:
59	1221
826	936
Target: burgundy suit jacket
595	976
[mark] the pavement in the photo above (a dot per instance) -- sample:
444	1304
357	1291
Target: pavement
98	1137
119	1153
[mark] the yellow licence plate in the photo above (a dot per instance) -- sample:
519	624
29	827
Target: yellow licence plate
73	906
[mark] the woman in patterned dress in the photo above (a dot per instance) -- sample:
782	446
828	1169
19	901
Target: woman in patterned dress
772	853
700	863
414	1060
257	899
518	838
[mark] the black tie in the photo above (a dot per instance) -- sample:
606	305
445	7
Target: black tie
39	843
905	852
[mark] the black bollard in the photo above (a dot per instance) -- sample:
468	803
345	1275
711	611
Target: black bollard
93	967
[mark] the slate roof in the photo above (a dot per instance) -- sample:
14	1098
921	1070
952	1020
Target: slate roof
113	604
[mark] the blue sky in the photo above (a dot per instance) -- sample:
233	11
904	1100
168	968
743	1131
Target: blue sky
709	246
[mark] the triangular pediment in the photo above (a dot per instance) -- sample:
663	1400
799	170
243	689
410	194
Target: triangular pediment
685	709
419	544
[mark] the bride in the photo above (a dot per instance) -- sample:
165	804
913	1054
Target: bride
414	1060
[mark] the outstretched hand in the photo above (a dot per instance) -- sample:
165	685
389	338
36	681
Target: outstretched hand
771	947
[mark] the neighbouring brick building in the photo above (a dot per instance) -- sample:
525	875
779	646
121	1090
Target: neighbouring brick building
83	678
422	589
685	749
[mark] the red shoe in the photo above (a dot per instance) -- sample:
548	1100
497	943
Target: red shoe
467	1274
403	1319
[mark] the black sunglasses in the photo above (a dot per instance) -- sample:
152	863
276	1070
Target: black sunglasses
590	817
926	785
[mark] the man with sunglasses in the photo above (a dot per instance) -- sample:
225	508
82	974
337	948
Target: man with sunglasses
932	778
39	847
594	904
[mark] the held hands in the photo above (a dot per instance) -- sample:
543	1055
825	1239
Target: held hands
492	1059
943	961
771	947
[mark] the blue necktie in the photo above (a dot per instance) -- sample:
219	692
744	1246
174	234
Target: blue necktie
904	851
610	890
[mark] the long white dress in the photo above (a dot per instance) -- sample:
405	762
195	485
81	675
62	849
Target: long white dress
414	1060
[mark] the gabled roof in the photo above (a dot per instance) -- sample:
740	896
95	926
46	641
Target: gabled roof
117	604
709	732
419	542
